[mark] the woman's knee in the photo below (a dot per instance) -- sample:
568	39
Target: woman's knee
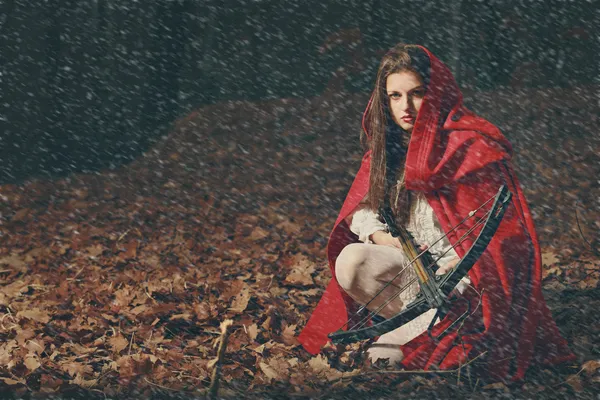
348	264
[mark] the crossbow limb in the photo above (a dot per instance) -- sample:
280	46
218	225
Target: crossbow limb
435	289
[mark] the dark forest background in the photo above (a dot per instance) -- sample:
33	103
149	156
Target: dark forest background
87	85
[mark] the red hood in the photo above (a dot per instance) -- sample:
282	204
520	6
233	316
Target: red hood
441	113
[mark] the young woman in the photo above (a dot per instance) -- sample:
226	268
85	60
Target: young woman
431	162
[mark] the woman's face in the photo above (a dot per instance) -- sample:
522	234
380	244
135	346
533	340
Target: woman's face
405	91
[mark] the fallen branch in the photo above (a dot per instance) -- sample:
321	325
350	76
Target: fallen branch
217	362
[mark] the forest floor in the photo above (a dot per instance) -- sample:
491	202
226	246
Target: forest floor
115	284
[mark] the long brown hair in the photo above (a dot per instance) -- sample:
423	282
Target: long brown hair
387	141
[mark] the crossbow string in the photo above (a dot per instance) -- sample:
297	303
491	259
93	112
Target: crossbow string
417	308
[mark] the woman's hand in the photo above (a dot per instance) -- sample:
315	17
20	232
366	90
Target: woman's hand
449	266
385	239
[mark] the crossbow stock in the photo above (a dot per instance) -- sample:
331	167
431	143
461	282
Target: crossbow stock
434	289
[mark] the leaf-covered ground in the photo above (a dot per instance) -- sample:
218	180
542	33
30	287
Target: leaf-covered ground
115	284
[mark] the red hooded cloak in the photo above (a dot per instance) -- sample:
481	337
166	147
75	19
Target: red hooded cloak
459	160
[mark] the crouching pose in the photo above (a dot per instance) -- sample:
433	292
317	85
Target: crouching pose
429	162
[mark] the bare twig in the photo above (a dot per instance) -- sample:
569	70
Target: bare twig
214	381
123	235
131	343
581	231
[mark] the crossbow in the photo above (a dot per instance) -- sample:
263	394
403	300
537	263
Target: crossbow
435	289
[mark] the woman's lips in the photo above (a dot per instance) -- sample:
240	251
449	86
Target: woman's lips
408	119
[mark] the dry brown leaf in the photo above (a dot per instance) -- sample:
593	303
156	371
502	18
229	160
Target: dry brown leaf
13	261
321	367
258	233
11	382
288	335
252	331
299	278
201	311
269	371
241	301
118	343
35	346
35	314
302	268
589	282
6	352
591	366
549	258
259	349
233	288
23	335
94	250
319	364
31	363
15	288
551	271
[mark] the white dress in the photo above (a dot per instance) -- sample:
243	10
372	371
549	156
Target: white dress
425	229
423	226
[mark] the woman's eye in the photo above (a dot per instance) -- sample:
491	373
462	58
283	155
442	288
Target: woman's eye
419	93
395	95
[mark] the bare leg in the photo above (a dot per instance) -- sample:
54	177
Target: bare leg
362	270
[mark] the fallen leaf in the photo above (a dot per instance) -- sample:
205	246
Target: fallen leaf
252	331
241	301
269	371
551	271
549	258
258	233
319	364
288	335
94	250
590	367
118	343
35	314
259	349
301	271
299	278
13	261
31	363
35	346
11	382
233	288
201	311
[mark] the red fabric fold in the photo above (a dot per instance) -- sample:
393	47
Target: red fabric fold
459	160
